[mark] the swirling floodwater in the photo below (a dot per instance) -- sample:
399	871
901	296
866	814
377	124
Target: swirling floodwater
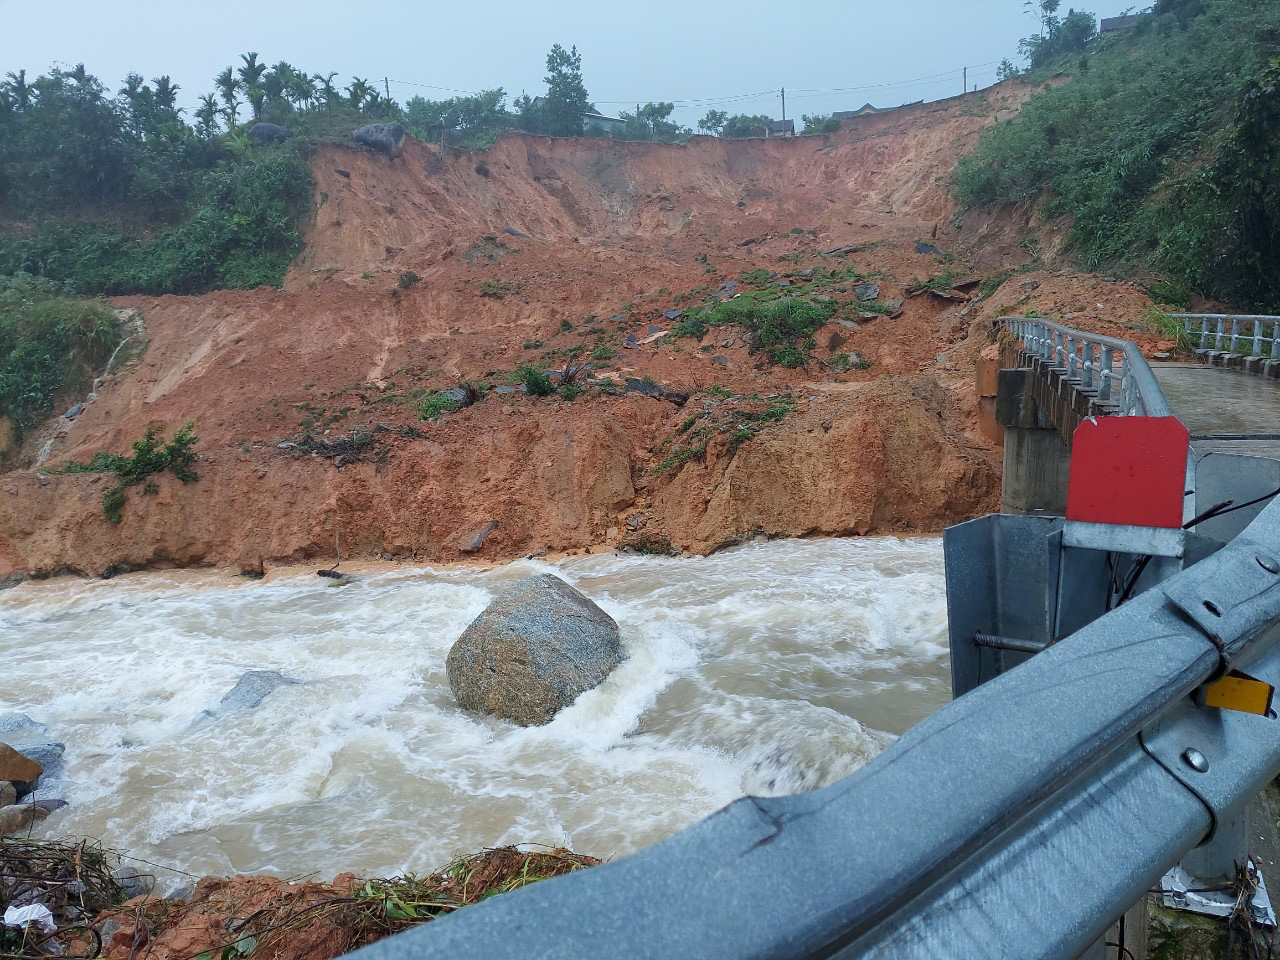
768	669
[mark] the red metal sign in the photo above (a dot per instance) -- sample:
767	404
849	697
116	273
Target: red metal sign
1130	470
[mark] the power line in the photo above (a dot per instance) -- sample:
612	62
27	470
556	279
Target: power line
428	86
705	101
901	83
975	72
930	83
799	93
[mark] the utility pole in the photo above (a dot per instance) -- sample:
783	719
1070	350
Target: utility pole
966	81
386	85
784	103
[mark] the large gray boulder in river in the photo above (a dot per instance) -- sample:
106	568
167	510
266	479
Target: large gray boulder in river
534	650
386	138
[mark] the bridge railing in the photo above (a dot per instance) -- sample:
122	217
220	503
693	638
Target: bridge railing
1019	821
1114	371
1247	335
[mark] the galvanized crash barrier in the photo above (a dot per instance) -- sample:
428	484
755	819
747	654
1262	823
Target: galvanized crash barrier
1018	821
1082	758
1112	371
1250	342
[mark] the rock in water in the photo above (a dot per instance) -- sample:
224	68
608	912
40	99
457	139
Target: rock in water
18	819
50	783
17	767
17	726
386	138
534	650
252	688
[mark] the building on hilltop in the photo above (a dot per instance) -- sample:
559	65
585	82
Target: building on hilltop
780	128
600	121
1116	24
865	110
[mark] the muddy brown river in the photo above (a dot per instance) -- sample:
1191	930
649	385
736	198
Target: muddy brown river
768	669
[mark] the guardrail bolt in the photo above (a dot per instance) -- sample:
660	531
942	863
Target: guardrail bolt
1269	564
1195	760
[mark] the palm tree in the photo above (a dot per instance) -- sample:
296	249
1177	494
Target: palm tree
227	86
302	89
132	87
207	116
358	91
137	95
166	93
19	89
328	92
250	74
282	75
273	85
252	70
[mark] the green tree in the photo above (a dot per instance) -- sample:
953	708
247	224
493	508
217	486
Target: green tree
566	100
207	116
470	119
328	92
302	89
92	163
359	92
1183	10
530	115
742	125
167	94
651	122
819	123
132	92
1057	36
17	86
274	82
251	81
228	86
713	122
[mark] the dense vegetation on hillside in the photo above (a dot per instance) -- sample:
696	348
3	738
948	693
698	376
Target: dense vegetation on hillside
48	342
118	195
1162	153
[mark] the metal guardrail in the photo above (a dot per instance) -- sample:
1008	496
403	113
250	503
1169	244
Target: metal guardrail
1114	371
1258	335
1018	821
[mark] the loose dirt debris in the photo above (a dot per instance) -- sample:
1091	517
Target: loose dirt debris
237	917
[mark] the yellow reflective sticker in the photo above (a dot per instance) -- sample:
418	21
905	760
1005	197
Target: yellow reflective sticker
1239	691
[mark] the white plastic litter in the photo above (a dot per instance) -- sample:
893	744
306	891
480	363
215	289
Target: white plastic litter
36	913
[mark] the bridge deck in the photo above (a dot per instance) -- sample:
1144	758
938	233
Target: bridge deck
1226	411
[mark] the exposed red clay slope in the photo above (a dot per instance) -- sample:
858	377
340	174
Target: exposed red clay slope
594	240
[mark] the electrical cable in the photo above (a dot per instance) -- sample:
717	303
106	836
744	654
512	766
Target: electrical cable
1217	510
801	93
1233	509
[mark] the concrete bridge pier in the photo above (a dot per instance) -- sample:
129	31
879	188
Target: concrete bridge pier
1037	460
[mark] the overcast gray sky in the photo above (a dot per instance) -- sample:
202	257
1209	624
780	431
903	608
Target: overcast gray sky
701	54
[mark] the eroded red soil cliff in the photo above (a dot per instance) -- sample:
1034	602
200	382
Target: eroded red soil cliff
560	250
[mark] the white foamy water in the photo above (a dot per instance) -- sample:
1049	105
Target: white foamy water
772	668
